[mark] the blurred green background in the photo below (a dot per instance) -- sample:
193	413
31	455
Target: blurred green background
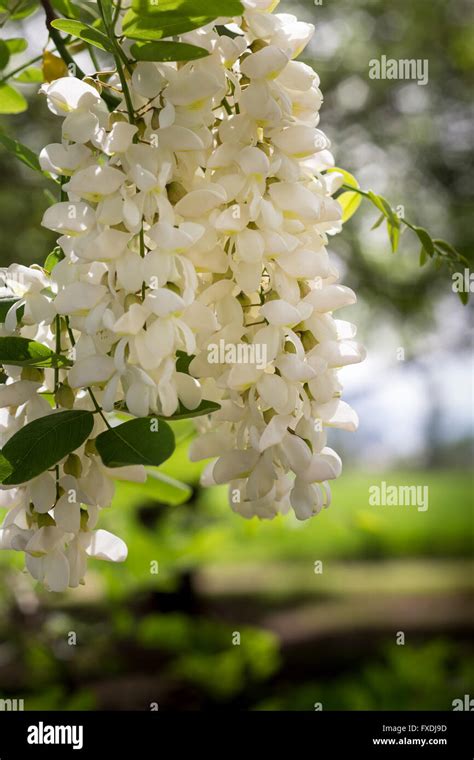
319	607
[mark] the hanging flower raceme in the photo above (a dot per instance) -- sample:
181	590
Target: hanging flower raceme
191	278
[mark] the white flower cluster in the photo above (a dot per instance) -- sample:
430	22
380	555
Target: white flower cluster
196	212
52	518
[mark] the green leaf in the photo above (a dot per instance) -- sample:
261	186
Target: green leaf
423	256
145	440
167	51
384	206
377	201
84	32
378	222
394	235
31	75
4	54
53	258
425	239
21	152
350	202
166	489
5	468
11	101
108	11
49	195
139	27
66	8
212	8
183	361
23	352
16	45
22	9
446	247
44	442
205	407
5	306
464	296
450	250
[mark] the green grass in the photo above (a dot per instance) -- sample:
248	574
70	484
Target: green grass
205	532
351	528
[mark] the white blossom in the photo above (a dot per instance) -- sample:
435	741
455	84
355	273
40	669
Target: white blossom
204	220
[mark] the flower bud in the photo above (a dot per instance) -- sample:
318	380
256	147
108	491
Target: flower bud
90	448
65	397
44	520
34	374
176	192
73	466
